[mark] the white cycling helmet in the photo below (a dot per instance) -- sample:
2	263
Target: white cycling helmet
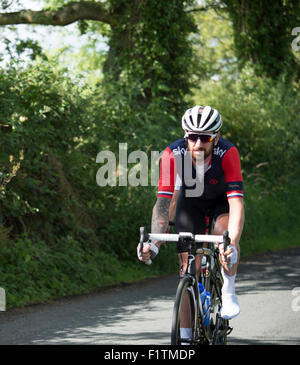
200	119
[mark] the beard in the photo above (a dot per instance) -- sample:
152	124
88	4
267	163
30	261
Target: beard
207	152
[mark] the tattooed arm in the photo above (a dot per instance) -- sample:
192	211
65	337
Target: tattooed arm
160	217
172	209
160	223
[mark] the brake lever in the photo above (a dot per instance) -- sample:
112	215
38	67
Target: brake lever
144	237
226	243
226	240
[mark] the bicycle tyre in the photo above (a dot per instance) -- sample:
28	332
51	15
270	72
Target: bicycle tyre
185	286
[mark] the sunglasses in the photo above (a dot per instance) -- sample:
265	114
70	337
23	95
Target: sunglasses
204	138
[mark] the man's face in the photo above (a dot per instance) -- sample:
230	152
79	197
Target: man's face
198	147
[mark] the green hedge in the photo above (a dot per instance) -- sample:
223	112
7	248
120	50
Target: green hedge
61	234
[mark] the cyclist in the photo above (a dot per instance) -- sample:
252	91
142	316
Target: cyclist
213	185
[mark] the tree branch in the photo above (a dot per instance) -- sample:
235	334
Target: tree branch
205	8
70	13
202	8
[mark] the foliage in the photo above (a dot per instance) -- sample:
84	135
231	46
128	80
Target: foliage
272	218
40	110
262	34
33	272
61	233
261	117
33	46
55	130
149	50
214	45
5	4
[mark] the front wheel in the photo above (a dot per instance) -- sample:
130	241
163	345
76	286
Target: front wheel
185	314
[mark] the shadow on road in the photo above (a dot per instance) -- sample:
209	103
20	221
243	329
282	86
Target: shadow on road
141	313
264	286
272	271
133	314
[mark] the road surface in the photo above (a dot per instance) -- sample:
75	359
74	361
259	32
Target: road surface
141	313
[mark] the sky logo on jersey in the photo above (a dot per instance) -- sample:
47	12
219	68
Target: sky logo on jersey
179	151
219	151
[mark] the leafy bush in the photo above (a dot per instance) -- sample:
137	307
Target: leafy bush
58	228
262	118
43	113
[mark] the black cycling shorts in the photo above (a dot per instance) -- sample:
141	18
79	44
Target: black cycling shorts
191	213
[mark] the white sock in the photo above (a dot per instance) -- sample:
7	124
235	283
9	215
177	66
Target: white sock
185	333
230	305
228	285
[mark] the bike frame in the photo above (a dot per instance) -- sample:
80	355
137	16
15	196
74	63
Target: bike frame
191	274
193	251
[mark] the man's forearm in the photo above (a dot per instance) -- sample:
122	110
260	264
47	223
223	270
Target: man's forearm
160	217
173	205
236	221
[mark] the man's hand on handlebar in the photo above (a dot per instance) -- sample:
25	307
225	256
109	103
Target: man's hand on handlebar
229	257
150	251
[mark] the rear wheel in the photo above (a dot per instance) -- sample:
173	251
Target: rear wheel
185	314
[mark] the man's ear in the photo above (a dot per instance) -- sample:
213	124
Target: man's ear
184	136
216	140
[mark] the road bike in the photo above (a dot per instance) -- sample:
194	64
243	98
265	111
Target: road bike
202	310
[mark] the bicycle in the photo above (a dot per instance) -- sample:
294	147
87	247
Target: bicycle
205	320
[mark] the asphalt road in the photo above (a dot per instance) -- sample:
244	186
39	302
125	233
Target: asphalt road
141	313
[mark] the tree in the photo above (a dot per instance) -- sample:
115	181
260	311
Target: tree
263	34
143	95
214	45
148	42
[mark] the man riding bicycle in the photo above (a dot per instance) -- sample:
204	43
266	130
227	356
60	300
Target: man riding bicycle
200	175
